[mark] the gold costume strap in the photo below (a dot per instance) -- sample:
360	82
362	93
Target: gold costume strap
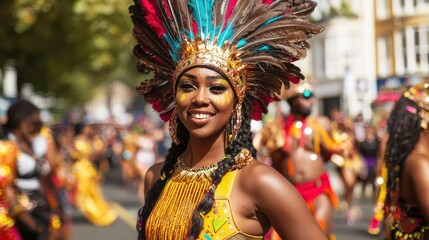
224	188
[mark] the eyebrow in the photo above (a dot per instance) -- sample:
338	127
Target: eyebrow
191	76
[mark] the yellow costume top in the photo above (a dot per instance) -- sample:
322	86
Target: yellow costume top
8	155
170	218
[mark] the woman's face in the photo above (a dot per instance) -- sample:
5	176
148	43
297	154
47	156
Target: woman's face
31	126
205	101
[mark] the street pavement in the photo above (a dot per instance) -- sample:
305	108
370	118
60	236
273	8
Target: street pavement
124	199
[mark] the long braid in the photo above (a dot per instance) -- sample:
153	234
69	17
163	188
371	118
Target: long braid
404	132
243	140
153	194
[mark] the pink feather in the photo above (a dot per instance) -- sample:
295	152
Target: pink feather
148	7
231	6
268	2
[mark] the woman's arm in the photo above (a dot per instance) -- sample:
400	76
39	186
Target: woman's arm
152	175
419	165
281	203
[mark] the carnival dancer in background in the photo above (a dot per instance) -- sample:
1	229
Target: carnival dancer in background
376	223
407	161
10	209
23	126
217	65
369	149
349	162
306	147
88	196
54	183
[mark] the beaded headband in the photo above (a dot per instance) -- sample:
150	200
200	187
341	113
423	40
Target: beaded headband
420	95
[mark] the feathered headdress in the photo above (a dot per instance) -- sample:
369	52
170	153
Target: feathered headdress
251	42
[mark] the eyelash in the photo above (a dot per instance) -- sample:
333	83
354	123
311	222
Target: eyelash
216	89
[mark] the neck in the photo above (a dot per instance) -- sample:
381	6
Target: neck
204	151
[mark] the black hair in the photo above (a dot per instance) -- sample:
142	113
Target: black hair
404	133
17	112
242	140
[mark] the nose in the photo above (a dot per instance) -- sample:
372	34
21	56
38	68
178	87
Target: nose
201	97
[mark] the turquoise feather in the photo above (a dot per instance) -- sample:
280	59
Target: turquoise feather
202	13
225	35
269	21
241	43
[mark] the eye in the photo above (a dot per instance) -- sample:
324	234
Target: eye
187	86
218	88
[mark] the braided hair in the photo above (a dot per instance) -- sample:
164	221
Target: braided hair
243	140
404	133
153	194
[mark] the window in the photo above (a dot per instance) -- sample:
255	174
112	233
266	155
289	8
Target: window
412	47
382	9
384	56
421	44
410	7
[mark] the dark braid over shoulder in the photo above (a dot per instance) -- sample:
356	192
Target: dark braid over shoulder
153	194
243	140
404	132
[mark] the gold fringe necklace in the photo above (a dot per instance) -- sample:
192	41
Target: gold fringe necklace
171	217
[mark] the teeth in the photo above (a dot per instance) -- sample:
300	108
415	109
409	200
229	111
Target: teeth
200	116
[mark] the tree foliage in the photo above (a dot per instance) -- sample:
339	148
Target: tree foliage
67	48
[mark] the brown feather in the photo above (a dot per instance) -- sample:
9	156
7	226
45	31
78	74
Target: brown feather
282	27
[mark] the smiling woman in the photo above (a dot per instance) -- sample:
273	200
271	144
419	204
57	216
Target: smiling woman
205	102
218	64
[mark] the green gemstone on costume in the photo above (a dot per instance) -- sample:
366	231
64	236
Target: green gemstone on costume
217	224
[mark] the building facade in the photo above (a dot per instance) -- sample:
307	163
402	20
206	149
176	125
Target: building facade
402	49
342	57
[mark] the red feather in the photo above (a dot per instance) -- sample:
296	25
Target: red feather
156	105
165	117
169	12
257	111
194	27
148	7
257	107
268	2
294	79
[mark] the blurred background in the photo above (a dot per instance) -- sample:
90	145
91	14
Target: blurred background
73	59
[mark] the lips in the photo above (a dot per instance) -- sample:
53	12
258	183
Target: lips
199	117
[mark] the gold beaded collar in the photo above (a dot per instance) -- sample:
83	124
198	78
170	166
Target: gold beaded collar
183	172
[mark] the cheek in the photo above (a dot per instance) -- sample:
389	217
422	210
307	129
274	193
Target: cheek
182	100
224	101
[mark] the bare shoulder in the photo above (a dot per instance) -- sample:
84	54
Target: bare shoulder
152	175
258	178
418	163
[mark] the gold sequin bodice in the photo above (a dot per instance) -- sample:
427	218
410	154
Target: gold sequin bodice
170	218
